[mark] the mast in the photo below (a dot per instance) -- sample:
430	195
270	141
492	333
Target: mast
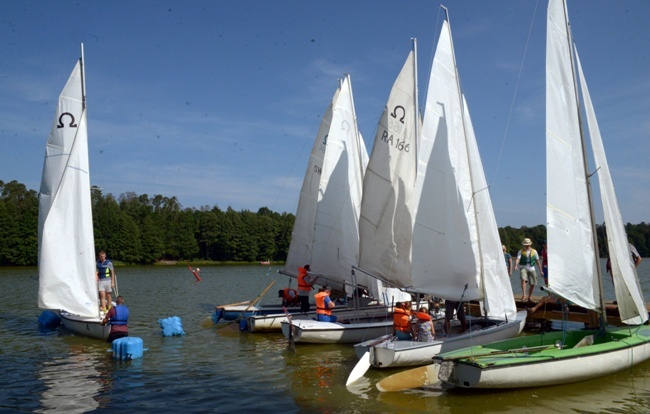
83	79
416	98
594	237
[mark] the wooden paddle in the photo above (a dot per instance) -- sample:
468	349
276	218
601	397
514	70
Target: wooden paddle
257	299
411	378
234	304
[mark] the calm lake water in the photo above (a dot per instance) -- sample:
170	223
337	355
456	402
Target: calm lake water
221	370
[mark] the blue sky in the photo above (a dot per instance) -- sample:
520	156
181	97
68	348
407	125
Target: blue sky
218	102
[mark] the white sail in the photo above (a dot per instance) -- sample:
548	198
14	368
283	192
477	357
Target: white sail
386	221
630	302
498	301
445	251
332	193
302	236
571	250
66	259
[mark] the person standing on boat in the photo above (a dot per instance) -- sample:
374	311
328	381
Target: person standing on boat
305	285
118	316
324	306
452	306
508	257
527	257
105	281
289	297
402	321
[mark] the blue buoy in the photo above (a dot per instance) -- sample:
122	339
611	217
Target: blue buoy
129	347
171	326
243	325
49	319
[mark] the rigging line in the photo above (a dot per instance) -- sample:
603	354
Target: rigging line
514	95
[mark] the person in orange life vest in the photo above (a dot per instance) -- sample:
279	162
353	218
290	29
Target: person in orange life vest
324	306
118	316
402	321
289	297
305	285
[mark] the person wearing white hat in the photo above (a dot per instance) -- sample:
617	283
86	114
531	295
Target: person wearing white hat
527	257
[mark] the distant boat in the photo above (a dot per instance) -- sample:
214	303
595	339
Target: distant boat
574	266
265	262
66	244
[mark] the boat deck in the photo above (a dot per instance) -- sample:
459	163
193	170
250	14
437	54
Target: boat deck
553	312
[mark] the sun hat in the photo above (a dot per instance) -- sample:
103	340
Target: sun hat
526	242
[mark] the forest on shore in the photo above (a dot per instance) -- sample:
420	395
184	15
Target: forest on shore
139	229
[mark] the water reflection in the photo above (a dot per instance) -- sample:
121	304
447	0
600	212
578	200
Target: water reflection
74	384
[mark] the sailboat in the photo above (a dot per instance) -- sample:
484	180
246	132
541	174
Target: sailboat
454	218
574	271
66	248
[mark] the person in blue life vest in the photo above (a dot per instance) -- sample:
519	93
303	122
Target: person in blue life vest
527	258
118	316
105	281
324	305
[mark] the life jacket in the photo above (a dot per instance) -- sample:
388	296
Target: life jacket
121	315
302	285
103	270
289	294
401	320
423	316
321	308
528	260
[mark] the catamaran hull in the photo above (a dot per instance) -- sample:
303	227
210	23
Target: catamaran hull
273	323
552	366
310	331
85	326
413	353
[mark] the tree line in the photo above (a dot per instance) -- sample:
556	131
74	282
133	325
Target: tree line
138	229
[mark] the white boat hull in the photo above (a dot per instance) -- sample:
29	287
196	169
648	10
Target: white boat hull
273	323
396	353
85	326
311	331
